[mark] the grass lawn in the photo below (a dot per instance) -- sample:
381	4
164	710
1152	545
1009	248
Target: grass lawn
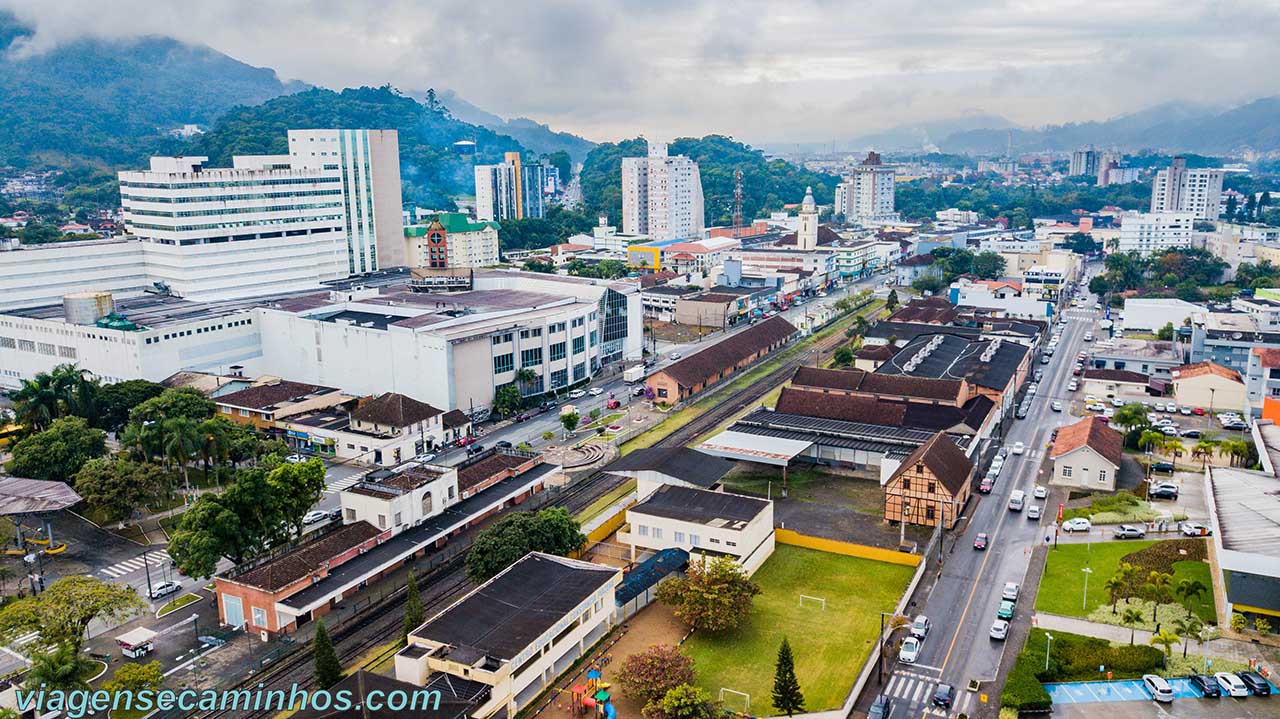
1062	587
177	604
1063	582
606	501
829	645
859	495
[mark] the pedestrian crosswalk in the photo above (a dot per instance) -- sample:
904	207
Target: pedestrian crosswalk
25	639
338	485
916	689
128	566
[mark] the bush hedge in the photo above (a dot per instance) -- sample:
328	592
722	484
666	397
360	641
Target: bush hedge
1072	658
1161	556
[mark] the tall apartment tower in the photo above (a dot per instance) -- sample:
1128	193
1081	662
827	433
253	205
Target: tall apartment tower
807	235
662	196
367	163
1179	189
509	191
868	193
1084	162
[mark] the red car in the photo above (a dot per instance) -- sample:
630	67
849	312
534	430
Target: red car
986	485
980	541
612	404
1198	411
465	441
1076	371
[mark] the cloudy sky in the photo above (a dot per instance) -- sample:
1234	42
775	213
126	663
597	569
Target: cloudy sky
781	70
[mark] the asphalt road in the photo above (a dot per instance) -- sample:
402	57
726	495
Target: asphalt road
963	601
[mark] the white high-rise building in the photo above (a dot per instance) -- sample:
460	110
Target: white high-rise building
511	190
807	235
1084	162
1150	232
1179	189
868	194
367	162
662	196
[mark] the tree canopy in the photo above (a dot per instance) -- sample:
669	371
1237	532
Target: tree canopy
63	611
58	452
714	596
552	530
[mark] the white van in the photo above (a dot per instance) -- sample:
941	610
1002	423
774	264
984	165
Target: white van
1159	688
1016	500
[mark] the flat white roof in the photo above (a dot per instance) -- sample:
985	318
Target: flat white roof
1246	509
754	448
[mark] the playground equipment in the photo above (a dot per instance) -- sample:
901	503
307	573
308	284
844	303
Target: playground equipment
592	697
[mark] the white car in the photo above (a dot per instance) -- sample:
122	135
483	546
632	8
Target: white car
314	516
577	394
1019	448
1032	388
1231	685
595	392
1010	592
1072	386
1108	412
1000	630
1040	492
1159	406
1091	398
295	459
1095	406
1158	688
1056	406
674	356
1117	402
1033	512
164	589
1195	529
425	457
1184	410
910	651
1077	524
1088	337
1170	430
1171	408
920	627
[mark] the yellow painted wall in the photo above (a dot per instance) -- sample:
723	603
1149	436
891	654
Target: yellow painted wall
788	536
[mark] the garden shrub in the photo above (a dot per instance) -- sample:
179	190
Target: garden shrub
1161	556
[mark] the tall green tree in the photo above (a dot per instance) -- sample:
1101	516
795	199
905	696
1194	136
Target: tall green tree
57	452
116	400
715	595
570	421
1131	618
63	611
787	697
181	443
328	670
648	675
891	301
413	612
296	488
242	521
552	530
174	402
117	487
63	668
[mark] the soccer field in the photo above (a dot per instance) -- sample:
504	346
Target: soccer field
829	644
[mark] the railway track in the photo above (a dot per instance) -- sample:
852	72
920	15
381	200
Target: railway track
447	581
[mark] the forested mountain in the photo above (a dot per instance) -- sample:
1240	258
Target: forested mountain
431	170
766	184
534	136
112	102
1175	126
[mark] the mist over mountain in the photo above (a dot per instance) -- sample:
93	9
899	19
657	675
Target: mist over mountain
535	136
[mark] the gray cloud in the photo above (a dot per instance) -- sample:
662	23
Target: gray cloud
757	69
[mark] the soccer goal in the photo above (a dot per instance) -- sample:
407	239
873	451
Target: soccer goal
746	698
820	601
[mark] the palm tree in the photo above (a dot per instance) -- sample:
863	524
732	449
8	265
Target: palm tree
1174	448
1204	450
1127	573
64	668
1188	628
1150	440
1114	585
1131	416
6	573
1190	590
524	378
36	403
1166	639
214	443
1131	619
1156	589
77	389
1237	449
180	443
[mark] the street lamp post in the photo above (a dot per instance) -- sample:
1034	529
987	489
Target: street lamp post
1048	645
1084	600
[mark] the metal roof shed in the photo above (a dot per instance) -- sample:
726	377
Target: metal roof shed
731	444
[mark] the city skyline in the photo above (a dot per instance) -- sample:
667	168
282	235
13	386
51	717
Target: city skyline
613	70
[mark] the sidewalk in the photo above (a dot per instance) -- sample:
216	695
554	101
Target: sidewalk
1220	648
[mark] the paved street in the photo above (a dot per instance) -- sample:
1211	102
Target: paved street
962	603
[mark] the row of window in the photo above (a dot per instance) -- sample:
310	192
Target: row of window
230	225
694	539
179	185
1068	471
199	330
226	198
44	348
235	210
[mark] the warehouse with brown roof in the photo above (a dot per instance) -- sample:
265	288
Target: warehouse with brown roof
689	376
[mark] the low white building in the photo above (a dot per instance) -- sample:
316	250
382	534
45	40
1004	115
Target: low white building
1087	455
703	523
1149	233
517	632
400	499
1149	315
1003	295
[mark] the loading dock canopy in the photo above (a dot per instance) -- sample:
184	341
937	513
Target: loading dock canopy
754	448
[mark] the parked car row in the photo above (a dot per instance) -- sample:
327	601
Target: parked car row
1237	684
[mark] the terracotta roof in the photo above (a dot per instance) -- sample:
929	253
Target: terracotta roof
1089	431
885	412
932	310
657	278
473	474
1116	375
857	380
702	366
1270	356
919	260
944	460
394	410
826	236
303	560
1197	369
874	352
271	394
455	418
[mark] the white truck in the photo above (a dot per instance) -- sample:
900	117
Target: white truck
631	375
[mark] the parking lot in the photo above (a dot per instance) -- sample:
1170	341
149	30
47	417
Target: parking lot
1226	708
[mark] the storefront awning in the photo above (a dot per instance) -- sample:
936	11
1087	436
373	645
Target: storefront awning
754	448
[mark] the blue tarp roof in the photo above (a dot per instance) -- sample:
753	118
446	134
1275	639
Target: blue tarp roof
650	572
